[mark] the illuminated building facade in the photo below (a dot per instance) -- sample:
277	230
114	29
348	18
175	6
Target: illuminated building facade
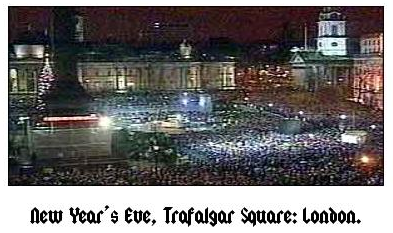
120	76
115	67
312	70
368	71
25	64
98	73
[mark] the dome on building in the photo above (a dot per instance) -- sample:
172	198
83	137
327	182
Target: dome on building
185	49
30	45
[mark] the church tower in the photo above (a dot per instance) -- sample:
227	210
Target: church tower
332	40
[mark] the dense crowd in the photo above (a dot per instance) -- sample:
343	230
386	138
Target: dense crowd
254	148
276	172
248	150
176	175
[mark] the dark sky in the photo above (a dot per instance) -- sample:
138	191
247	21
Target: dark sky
242	24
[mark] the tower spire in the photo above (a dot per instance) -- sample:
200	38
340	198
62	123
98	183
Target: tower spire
332	40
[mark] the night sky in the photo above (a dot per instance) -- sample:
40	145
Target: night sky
242	24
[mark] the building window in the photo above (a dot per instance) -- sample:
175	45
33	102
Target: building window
121	83
13	80
334	44
334	30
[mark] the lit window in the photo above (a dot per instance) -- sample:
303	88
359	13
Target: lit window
14	80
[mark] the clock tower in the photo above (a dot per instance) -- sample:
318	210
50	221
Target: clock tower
332	40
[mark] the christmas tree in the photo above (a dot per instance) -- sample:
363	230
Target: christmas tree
45	81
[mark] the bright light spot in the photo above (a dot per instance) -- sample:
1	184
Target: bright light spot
270	105
105	122
246	98
156	148
301	112
202	101
343	117
365	159
184	101
373	126
311	135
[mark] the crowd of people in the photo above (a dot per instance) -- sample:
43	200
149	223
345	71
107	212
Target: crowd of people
253	147
248	150
171	175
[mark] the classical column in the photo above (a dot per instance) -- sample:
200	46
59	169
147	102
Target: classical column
198	78
224	76
183	78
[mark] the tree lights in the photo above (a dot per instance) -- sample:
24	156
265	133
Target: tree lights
44	84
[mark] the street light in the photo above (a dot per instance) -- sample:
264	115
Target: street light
155	151
365	159
341	123
343	117
185	101
301	112
26	126
202	101
104	122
